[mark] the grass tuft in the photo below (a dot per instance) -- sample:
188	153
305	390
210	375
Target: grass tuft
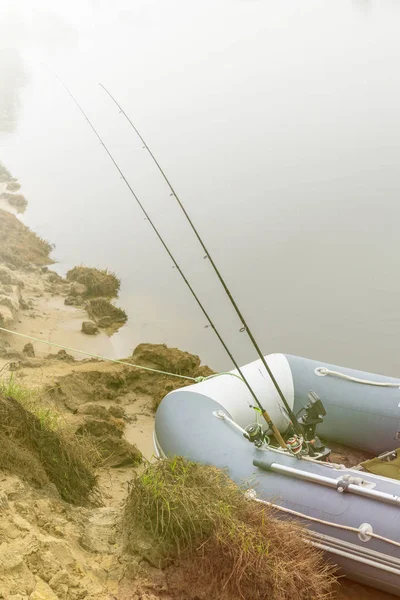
99	308
198	514
20	246
99	282
66	460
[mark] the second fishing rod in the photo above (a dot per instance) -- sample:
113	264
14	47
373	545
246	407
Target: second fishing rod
265	414
245	327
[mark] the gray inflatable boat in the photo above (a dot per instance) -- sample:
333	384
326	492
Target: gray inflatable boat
353	514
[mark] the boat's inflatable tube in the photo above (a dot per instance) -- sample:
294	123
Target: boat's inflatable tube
358	415
234	395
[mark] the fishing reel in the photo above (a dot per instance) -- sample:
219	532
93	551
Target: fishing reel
308	418
255	435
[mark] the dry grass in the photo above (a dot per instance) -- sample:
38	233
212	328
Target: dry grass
99	282
197	513
19	461
98	308
66	460
19	246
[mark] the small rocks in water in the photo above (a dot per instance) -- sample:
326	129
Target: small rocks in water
89	328
29	350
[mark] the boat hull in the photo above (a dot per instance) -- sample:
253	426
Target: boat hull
187	424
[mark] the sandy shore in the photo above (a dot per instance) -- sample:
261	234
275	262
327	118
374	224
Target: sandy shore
32	302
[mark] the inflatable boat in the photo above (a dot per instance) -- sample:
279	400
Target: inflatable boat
351	510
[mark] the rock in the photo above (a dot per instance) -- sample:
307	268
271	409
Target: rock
117	412
166	359
89	328
99	428
29	350
61	355
93	409
78	289
42	591
105	322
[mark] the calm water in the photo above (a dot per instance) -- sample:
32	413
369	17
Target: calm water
278	124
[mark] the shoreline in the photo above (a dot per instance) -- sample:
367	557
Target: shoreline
85	392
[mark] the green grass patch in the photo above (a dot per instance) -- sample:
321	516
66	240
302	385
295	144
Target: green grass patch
99	282
31	430
196	513
30	400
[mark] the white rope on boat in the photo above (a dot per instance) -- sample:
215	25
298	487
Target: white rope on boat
322	371
251	495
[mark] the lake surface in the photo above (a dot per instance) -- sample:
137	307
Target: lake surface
277	123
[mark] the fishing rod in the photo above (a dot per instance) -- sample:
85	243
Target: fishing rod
245	327
265	414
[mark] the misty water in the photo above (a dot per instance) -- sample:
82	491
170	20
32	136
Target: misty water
277	123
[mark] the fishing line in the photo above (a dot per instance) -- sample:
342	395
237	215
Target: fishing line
205	313
244	326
